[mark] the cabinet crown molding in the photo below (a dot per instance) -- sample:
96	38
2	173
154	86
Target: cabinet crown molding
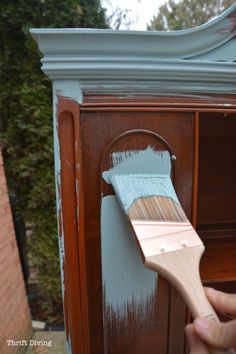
201	59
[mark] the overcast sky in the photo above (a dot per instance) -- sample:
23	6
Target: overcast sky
140	14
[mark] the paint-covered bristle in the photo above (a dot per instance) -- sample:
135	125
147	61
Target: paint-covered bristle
148	197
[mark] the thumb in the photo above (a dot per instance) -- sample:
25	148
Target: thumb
217	334
196	346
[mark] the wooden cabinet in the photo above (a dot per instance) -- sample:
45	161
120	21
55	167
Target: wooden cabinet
119	95
121	308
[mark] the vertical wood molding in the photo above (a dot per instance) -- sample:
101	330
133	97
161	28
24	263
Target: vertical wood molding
71	227
194	195
195	169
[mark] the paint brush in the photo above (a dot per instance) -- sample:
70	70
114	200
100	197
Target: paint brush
168	242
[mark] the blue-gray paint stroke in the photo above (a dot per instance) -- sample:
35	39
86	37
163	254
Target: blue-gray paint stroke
130	187
125	279
139	161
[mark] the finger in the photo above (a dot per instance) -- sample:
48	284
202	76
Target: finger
196	346
222	302
220	335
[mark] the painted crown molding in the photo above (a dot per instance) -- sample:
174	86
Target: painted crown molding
200	59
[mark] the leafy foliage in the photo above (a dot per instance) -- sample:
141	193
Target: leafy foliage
26	127
117	16
187	13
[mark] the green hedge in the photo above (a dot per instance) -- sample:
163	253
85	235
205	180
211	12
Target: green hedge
26	127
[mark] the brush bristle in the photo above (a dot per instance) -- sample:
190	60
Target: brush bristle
148	197
156	208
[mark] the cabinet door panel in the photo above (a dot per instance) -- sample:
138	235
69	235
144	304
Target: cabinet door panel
141	320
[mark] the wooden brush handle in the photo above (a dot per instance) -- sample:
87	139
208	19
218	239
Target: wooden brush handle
182	269
200	307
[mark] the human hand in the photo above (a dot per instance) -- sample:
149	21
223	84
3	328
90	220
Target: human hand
219	335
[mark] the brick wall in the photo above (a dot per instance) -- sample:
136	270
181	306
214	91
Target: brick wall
15	320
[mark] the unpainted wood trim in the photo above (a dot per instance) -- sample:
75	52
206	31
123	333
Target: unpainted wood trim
135	108
192	102
195	170
72	226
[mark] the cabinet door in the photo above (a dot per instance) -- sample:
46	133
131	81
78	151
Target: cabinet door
131	309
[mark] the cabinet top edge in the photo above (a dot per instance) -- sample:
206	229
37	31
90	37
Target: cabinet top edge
133	33
190	43
200	59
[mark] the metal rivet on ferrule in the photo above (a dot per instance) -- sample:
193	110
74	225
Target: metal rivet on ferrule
162	249
184	244
173	158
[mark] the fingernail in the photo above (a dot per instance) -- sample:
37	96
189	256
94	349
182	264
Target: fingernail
211	291
202	324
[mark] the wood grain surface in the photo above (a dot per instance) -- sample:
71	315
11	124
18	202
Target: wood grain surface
138	331
106	125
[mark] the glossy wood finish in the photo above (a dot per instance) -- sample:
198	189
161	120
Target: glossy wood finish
195	170
217	169
128	132
185	102
71	228
218	263
177	321
106	125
